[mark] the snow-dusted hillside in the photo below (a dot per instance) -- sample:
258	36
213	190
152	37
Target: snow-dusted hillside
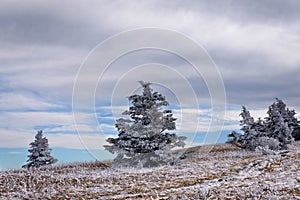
221	172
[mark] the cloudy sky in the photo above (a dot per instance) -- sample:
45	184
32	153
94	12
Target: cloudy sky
254	44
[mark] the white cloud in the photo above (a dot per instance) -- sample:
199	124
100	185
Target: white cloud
21	139
15	139
75	141
29	120
17	129
234	115
50	68
277	43
17	101
45	62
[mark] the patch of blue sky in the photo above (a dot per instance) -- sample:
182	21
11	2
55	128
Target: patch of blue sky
49	132
106	120
65	155
201	138
49	126
14	158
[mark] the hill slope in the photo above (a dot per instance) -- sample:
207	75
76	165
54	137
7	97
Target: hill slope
208	172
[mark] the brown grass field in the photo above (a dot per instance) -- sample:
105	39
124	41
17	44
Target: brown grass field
208	172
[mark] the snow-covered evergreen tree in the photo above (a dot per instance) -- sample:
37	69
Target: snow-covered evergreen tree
281	120
253	132
279	125
39	152
143	139
279	128
247	121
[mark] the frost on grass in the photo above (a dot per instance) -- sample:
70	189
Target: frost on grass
274	133
143	139
40	153
223	173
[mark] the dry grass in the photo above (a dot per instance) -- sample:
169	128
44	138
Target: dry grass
208	172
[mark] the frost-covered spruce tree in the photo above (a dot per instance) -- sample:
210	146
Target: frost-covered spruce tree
279	116
283	132
275	132
39	152
143	140
277	126
253	132
247	121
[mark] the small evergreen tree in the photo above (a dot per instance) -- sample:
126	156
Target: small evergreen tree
279	125
254	132
280	121
39	152
280	129
247	121
142	138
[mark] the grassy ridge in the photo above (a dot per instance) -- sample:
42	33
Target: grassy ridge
207	172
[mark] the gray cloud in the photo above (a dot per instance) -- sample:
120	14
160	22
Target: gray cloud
250	79
52	23
247	11
255	44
